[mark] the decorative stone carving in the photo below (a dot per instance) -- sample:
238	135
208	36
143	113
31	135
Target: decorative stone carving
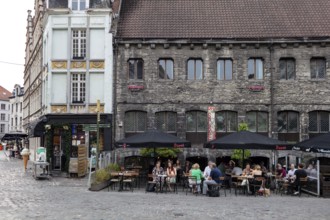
92	109
59	65
78	65
59	109
96	64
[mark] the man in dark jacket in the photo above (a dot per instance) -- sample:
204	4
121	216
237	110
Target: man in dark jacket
213	179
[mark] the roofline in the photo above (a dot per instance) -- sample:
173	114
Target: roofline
224	40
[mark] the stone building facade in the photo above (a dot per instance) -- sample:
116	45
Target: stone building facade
200	88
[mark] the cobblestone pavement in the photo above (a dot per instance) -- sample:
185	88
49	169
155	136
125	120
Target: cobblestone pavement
22	197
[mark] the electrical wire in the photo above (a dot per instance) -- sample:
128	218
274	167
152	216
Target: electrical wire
10	63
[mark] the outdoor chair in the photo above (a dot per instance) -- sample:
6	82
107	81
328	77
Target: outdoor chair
256	184
150	181
302	183
219	186
236	183
192	181
114	180
129	180
175	186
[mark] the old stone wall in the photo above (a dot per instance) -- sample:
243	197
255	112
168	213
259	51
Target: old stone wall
302	94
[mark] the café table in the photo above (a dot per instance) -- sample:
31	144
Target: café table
161	177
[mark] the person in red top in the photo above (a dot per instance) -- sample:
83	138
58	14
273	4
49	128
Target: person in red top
280	171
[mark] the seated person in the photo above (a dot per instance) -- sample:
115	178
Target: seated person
213	179
257	171
207	170
291	171
197	173
280	172
300	173
247	171
237	171
158	170
171	175
263	168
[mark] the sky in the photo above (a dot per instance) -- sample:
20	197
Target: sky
13	21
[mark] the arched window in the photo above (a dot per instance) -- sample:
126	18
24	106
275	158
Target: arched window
166	121
135	122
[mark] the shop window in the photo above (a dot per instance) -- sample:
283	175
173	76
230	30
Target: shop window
166	122
317	68
255	68
135	122
135	69
257	121
165	68
224	69
287	68
195	69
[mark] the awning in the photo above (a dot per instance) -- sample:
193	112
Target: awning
13	136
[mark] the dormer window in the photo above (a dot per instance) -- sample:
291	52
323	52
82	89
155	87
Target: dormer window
79	5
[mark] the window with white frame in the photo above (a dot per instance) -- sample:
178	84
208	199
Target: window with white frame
3	106
78	44
78	87
79	5
2	128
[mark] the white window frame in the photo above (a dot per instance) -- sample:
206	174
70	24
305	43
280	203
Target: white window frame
78	87
3	118
78	2
79	43
2	128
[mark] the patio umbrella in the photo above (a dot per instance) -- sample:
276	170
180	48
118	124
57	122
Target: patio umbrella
318	144
13	136
247	140
153	139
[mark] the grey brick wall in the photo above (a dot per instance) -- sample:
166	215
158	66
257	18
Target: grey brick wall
180	95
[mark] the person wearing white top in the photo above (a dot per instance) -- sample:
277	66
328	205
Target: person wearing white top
207	170
291	171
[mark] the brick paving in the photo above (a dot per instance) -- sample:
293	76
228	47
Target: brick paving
22	197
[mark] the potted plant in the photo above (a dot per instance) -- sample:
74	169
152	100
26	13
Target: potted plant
102	177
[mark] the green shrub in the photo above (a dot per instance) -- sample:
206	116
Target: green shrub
112	167
101	175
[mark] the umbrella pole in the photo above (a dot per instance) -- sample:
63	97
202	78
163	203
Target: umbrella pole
243	158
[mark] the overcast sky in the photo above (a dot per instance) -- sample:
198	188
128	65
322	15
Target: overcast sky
13	15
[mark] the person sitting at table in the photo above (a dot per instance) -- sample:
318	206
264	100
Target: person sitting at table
291	171
300	173
237	171
207	170
213	179
280	171
247	171
257	172
187	166
263	168
158	170
171	175
197	173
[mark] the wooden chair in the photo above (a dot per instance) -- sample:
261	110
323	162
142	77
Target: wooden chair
150	180
219	186
302	183
128	180
257	183
113	180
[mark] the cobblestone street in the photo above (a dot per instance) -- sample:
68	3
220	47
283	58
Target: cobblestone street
22	197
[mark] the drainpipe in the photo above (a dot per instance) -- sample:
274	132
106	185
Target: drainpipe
272	112
114	98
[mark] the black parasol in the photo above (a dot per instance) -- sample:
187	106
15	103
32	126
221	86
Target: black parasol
318	144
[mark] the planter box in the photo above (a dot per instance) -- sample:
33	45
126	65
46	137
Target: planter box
100	186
